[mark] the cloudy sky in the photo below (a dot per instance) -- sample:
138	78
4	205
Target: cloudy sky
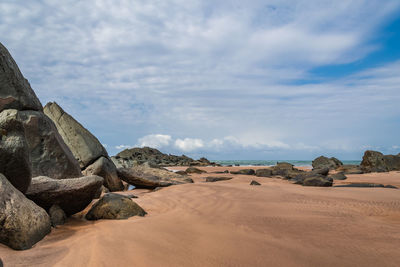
222	79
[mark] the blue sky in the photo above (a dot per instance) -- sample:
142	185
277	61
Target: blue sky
221	79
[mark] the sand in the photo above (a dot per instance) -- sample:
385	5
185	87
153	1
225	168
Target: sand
231	223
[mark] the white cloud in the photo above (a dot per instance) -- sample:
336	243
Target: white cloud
189	144
155	140
120	147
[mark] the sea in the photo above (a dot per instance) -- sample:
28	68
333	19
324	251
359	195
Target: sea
299	163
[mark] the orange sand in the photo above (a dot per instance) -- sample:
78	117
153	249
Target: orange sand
231	223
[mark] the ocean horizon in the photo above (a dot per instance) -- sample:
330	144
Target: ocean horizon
298	163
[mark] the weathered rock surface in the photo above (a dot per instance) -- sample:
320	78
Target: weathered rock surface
338	176
194	170
213	179
15	90
254	183
15	161
72	195
135	156
350	169
85	147
264	172
22	222
244	172
105	168
317	181
374	161
114	206
57	215
143	176
324	162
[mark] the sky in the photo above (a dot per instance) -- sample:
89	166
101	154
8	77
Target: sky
221	79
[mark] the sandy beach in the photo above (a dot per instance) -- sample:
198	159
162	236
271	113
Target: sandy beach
231	223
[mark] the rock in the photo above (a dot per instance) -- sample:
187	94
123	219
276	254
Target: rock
264	172
131	196
22	222
114	206
373	162
392	162
105	168
254	183
282	168
350	169
57	215
290	174
244	172
144	177
15	162
317	181
181	172
72	195
50	156
321	171
85	147
360	185
213	179
15	90
338	176
324	162
194	170
391	186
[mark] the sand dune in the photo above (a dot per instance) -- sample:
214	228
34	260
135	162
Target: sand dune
231	223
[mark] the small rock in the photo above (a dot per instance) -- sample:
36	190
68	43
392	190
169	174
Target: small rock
254	183
317	181
361	185
57	216
244	172
181	172
216	179
194	170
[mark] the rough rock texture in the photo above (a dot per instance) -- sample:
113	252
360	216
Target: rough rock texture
114	206
22	222
264	172
105	168
317	181
194	170
350	169
131	157
324	162
15	90
57	215
213	179
244	172
85	147
50	156
254	183
15	162
374	161
72	195
145	177
338	176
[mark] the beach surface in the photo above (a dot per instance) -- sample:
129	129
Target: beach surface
230	223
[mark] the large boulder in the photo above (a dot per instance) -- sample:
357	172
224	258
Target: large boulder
15	90
105	168
49	154
324	162
22	222
15	161
71	195
85	147
374	161
114	206
392	162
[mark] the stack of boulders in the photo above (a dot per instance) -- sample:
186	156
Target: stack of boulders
136	156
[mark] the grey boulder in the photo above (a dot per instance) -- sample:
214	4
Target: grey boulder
57	216
22	222
324	162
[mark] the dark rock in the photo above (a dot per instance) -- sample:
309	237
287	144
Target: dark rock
392	162
15	162
360	185
324	162
321	171
57	215
212	179
350	169
290	174
338	176
374	161
391	186
22	222
194	170
72	195
264	172
244	172
254	183
181	172
105	168
114	206
85	147
317	181
131	196
15	90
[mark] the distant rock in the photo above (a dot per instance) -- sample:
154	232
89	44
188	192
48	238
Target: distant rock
15	162
374	161
105	168
194	170
16	92
338	176
213	179
317	180
57	216
137	156
254	183
181	172
264	173
350	169
324	162
114	206
361	185
322	171
244	172
72	195
22	222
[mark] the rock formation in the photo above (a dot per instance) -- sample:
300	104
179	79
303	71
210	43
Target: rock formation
374	161
324	162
